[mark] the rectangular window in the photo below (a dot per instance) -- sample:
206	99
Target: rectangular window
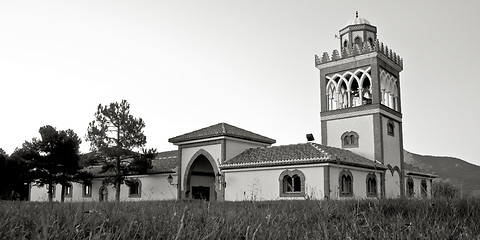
87	190
68	190
54	190
135	188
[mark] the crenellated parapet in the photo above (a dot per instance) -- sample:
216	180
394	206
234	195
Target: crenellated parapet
356	50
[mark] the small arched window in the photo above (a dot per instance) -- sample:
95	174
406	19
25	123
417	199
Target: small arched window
345	44
135	188
410	187
349	139
424	188
390	128
370	40
371	185
346	183
292	183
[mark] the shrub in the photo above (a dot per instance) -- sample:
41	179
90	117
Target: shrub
328	219
443	189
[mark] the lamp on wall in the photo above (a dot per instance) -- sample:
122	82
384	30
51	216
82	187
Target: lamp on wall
170	180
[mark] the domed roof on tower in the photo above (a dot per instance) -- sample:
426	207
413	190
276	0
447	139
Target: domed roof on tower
357	20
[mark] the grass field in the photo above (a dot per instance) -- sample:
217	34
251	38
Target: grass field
365	219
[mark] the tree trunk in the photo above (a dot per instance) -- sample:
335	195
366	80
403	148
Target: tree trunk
50	192
118	181
117	190
62	195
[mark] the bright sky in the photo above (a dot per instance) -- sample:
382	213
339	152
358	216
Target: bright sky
185	65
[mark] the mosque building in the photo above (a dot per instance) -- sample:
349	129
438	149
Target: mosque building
360	155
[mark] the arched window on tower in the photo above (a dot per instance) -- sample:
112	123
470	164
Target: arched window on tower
331	95
366	91
390	128
349	139
358	41
370	40
343	96
345	44
354	94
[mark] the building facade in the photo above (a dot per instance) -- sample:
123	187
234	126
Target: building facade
360	155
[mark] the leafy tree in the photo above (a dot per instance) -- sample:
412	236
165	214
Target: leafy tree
14	177
53	159
117	136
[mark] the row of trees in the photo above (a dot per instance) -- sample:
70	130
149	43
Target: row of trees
116	141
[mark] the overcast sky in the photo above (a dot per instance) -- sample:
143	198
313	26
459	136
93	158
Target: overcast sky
185	65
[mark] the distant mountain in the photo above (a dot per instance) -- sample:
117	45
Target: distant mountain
462	174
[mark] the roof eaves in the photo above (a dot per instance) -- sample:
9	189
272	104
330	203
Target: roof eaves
412	173
272	163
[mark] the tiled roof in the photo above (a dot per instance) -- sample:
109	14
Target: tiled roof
410	169
221	129
164	162
304	153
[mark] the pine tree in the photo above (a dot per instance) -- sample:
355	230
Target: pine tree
118	137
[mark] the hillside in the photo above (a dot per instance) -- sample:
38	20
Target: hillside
464	175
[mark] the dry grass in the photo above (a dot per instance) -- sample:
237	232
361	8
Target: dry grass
366	219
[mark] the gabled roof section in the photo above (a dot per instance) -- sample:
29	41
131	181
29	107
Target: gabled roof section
220	130
164	162
303	153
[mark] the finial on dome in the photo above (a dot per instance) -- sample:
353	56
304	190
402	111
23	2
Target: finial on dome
356	14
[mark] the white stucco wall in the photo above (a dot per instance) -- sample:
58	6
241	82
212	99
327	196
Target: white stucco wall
391	144
362	125
39	194
264	184
154	187
392	156
392	184
359	182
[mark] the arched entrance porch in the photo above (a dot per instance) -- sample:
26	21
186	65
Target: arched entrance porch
201	178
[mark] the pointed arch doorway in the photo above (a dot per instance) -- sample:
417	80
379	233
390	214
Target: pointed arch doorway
201	177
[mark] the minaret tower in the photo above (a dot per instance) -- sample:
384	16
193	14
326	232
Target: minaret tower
360	100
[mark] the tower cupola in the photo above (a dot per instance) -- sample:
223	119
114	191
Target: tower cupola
357	31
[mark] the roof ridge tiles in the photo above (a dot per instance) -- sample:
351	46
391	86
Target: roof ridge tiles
219	130
273	162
